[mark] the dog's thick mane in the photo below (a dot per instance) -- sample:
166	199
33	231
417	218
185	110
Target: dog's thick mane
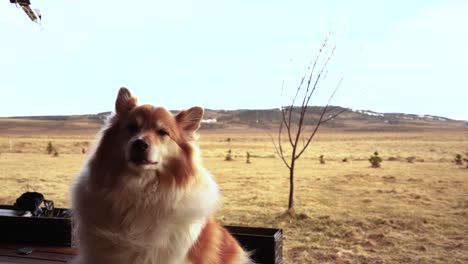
183	203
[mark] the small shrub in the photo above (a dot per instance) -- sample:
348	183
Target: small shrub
248	158
50	148
375	160
322	159
345	160
228	156
458	159
411	159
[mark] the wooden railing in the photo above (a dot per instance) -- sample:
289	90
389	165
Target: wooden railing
54	234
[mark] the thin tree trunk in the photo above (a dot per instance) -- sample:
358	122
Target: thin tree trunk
291	185
291	188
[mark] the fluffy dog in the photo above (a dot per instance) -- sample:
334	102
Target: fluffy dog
143	196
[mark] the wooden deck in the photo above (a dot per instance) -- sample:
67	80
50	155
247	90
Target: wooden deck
10	254
264	243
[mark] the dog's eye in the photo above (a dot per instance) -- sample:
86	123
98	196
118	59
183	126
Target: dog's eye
162	132
132	128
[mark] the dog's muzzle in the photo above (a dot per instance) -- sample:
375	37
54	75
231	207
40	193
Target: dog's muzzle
141	153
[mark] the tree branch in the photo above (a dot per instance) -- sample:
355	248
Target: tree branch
319	121
286	123
335	115
313	68
280	152
308	95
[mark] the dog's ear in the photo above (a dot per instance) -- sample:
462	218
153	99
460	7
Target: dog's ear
189	120
125	102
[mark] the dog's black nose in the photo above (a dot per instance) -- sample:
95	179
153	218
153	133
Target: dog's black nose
139	151
140	145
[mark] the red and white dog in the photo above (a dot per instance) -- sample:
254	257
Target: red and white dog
143	196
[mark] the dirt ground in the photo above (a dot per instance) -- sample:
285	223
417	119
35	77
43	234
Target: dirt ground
414	209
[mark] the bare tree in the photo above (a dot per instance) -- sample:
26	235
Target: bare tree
293	117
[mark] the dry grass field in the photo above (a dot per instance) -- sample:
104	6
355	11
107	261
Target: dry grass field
403	212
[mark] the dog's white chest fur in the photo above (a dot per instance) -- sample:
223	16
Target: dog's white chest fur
125	225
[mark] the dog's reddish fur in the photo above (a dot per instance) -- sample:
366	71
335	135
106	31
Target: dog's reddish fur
215	245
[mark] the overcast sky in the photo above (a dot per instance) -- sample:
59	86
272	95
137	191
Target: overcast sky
395	56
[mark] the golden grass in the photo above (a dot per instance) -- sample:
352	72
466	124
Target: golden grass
348	212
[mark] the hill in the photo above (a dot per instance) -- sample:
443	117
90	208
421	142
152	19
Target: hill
239	120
